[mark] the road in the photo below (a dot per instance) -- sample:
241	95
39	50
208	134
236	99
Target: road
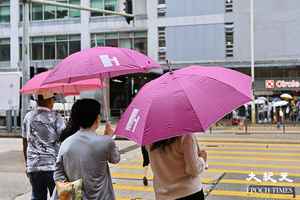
231	159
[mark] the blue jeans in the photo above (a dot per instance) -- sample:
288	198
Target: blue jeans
41	182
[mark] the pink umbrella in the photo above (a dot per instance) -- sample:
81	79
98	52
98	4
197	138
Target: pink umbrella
184	101
35	86
100	62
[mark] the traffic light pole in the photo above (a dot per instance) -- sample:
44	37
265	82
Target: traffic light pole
25	44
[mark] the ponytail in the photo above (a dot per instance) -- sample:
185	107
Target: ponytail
73	123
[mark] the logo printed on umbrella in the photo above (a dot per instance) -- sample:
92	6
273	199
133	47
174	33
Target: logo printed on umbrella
133	120
108	62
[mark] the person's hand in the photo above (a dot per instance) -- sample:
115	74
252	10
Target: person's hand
203	154
108	129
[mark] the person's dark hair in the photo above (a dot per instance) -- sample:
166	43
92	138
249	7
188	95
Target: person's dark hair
84	112
163	144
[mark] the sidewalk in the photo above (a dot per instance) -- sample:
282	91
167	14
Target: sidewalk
252	129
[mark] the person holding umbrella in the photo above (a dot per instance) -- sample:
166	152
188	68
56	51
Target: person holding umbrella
41	130
168	110
177	164
85	155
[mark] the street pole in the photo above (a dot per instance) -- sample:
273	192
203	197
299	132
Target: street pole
25	57
253	115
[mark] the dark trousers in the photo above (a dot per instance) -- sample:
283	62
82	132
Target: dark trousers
195	196
41	182
146	160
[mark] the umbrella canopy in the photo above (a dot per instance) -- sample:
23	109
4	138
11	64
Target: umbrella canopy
185	101
259	101
286	96
35	86
263	98
100	62
280	103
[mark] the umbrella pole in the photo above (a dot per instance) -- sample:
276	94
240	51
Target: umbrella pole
64	110
104	98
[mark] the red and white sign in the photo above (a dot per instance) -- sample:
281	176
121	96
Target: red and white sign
271	84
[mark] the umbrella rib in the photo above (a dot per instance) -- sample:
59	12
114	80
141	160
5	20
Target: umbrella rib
222	83
213	79
186	96
136	65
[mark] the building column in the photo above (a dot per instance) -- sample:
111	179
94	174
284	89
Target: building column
85	34
14	33
152	37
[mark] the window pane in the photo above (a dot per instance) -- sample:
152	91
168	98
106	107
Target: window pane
111	35
37	12
61	11
74	37
4	52
93	43
49	49
125	35
37	39
74	47
37	51
21	13
100	42
50	39
141	34
62	50
162	43
97	4
140	44
74	12
126	43
49	12
110	5
20	51
111	42
4	14
62	37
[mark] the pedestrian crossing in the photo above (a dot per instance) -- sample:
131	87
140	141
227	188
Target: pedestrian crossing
234	161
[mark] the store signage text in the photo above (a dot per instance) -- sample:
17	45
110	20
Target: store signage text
271	84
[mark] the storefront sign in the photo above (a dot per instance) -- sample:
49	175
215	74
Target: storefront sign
273	84
272	189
